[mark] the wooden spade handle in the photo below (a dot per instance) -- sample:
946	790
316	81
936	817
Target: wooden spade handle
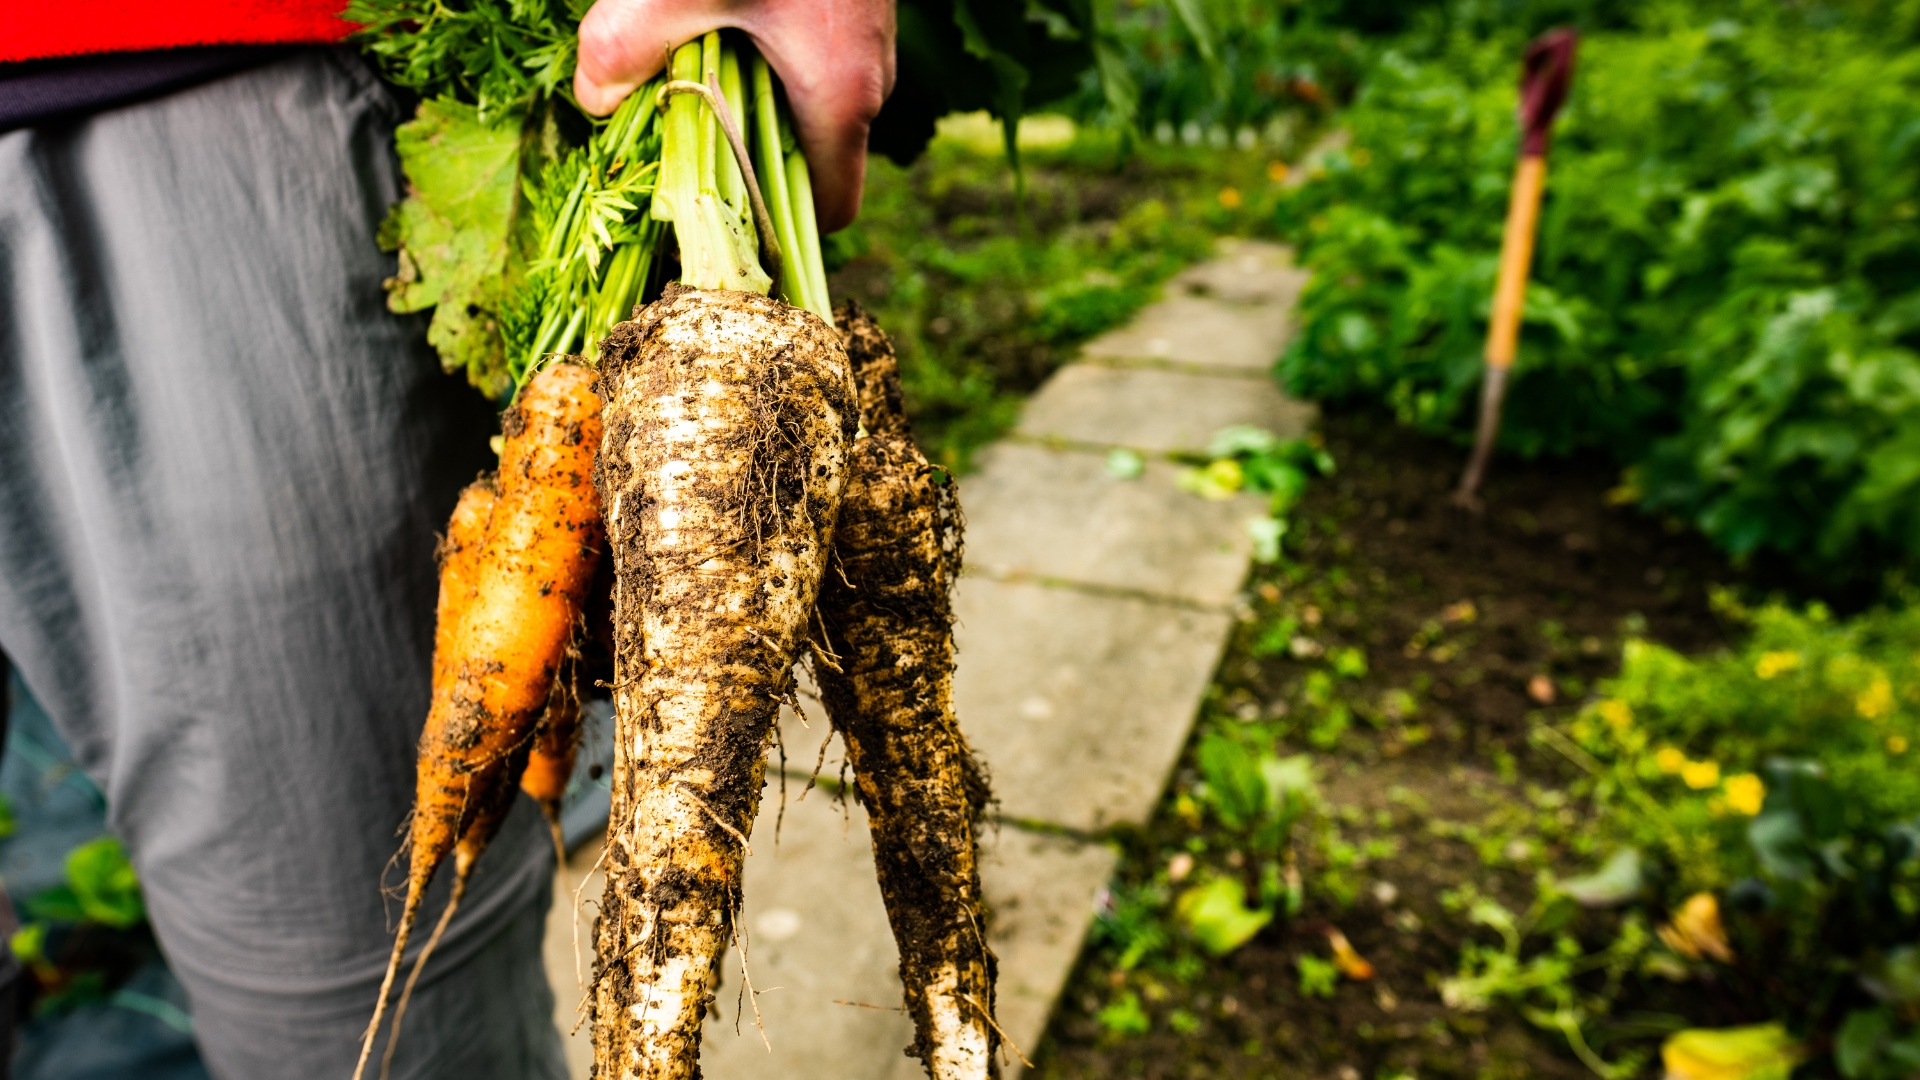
1516	259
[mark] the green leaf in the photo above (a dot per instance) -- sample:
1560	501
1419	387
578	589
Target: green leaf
104	883
1194	17
1894	977
1235	787
453	232
1758	1052
1266	534
56	904
1215	912
1858	1044
1619	880
29	943
1289	781
1125	1016
1318	977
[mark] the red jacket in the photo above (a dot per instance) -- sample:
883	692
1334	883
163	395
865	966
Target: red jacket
40	29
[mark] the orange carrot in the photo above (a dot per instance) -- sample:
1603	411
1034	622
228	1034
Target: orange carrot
497	665
494	803
550	765
458	554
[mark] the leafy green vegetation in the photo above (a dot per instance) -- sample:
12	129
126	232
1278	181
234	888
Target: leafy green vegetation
1724	290
1245	458
985	294
71	927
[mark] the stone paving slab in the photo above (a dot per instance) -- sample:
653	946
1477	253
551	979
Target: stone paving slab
1258	283
1040	894
1079	702
1246	272
1155	411
1034	511
1245	339
817	936
817	930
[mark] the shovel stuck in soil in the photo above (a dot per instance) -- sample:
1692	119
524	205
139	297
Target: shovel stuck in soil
1546	72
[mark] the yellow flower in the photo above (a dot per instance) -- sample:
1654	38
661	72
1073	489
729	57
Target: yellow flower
1618	714
1745	793
1700	775
1696	931
1277	171
1896	744
1877	700
1774	663
1670	760
1230	198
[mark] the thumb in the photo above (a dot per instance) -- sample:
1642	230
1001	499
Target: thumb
623	43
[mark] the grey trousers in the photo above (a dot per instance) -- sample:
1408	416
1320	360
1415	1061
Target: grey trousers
222	464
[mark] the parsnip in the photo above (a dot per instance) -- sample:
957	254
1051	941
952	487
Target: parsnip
728	419
884	663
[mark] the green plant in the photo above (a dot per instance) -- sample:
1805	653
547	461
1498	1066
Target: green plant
1131	922
101	887
1125	1016
1257	798
101	893
1872	1044
1543	984
1318	978
1247	458
1215	912
1760	801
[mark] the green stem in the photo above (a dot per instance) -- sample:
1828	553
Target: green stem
770	164
811	264
679	181
642	101
709	128
562	235
573	327
718	249
732	188
548	326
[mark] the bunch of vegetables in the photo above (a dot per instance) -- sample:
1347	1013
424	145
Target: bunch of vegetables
710	455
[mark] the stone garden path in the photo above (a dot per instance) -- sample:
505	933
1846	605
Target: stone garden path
1092	613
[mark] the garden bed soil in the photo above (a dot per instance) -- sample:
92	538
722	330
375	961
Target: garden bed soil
1474	628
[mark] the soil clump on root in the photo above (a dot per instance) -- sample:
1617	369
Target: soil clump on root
728	419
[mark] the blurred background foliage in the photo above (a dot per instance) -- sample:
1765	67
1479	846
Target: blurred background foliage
1726	292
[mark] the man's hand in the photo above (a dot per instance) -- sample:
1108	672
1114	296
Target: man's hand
834	56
